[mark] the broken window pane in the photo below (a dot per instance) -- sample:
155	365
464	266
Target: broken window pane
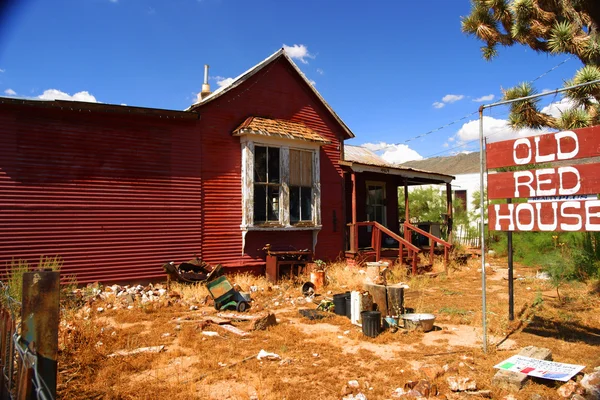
306	203
273	161
273	203
260	164
260	203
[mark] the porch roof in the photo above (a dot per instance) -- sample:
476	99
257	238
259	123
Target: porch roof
279	128
360	159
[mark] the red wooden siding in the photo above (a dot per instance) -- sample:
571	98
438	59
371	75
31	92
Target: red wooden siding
115	197
274	92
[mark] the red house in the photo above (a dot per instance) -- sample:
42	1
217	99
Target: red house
116	191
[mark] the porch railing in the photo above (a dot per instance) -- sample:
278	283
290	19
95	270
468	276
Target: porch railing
376	230
408	227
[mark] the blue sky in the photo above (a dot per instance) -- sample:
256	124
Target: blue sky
392	70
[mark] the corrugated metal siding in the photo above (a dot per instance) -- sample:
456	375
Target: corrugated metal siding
115	197
275	92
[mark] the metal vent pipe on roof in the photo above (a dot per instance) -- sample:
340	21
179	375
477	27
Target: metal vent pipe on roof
205	86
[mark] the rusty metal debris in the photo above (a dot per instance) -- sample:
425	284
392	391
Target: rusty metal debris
192	271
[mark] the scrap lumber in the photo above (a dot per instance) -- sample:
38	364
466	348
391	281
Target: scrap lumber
234	330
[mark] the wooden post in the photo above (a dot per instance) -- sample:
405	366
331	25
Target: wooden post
511	294
353	178
407	234
40	315
4	331
449	211
377	235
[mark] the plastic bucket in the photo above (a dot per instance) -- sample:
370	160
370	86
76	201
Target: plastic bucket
339	301
371	323
348	305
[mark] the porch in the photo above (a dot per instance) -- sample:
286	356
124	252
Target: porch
376	231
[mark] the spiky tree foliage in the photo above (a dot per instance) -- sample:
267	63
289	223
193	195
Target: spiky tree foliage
548	26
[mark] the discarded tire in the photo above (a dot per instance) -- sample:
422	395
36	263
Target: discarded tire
339	301
371	323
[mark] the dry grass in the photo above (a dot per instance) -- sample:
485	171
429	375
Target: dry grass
321	356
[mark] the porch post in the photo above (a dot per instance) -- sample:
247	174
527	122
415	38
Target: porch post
353	177
354	227
407	233
450	210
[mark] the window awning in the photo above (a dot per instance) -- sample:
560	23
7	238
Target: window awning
278	128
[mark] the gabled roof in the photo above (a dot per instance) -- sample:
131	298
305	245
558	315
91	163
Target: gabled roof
278	128
249	73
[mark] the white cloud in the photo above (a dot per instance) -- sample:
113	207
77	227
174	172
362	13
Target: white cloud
488	97
393	153
557	108
222	81
451	98
494	130
320	71
54	94
299	52
312	82
114	1
10	92
2	70
448	99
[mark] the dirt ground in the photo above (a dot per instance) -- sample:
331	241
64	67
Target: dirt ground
319	358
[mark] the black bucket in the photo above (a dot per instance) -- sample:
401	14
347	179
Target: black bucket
348	305
339	301
371	323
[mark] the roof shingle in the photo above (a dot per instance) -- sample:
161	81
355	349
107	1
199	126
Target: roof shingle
280	128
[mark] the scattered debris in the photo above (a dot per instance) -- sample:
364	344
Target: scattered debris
264	321
461	384
152	349
210	333
234	330
313	314
591	384
192	271
569	389
264	355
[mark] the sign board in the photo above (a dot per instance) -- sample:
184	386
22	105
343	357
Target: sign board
562	214
540	368
559	181
551	147
552	216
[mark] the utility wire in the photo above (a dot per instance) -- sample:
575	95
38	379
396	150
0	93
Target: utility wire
475	112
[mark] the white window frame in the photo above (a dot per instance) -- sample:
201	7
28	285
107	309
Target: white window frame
248	143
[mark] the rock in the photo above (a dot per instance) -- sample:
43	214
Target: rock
264	322
569	389
353	384
432	372
591	384
424	389
100	309
509	397
461	384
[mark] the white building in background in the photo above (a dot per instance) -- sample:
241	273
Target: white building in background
465	167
